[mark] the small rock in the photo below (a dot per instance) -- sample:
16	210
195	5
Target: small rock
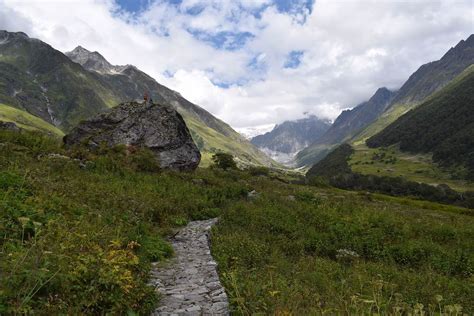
253	194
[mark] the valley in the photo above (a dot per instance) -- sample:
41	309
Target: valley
119	196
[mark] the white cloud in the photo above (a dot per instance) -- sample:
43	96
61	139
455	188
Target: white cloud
350	47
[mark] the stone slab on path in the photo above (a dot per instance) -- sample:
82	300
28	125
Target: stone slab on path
189	283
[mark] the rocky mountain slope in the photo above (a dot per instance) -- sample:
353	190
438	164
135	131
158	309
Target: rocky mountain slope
210	133
42	81
347	124
443	126
428	79
286	139
62	91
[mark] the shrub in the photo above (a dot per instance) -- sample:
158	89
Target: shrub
155	248
223	161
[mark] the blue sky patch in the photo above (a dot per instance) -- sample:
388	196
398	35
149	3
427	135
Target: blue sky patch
133	6
294	6
294	59
223	40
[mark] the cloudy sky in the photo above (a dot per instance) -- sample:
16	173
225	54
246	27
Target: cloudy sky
256	62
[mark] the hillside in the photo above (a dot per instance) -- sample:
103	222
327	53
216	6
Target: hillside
367	120
342	168
289	137
79	236
36	78
210	133
428	79
27	121
42	81
346	125
443	126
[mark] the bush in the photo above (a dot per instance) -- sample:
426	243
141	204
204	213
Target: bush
223	161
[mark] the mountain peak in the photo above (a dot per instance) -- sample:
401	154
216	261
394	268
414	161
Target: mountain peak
79	50
90	60
382	95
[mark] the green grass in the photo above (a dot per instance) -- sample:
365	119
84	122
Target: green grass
419	167
27	121
336	252
214	141
78	238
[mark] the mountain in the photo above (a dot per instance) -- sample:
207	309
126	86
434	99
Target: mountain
130	83
64	89
286	139
443	126
428	79
26	121
347	124
42	81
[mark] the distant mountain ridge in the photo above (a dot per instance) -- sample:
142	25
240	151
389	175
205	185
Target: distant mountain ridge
64	90
289	137
443	125
367	120
346	125
423	83
351	121
44	82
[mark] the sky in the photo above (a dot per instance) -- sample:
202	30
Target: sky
255	63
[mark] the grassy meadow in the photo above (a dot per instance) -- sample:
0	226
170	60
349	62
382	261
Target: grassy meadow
392	162
79	230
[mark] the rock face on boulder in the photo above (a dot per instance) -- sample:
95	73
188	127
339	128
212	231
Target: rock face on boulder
157	127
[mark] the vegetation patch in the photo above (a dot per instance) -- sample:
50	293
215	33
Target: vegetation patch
328	251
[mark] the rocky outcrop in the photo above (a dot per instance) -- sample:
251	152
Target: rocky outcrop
157	127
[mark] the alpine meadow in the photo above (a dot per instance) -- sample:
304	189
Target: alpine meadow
248	157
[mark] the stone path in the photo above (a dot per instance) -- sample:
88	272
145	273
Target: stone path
189	284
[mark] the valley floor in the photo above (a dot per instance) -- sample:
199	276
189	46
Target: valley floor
392	162
80	230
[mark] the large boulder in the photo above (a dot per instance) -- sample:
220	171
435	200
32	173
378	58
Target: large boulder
157	127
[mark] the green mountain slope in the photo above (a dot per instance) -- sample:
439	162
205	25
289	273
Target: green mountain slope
427	80
36	78
443	126
210	133
371	117
42	81
27	121
347	124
